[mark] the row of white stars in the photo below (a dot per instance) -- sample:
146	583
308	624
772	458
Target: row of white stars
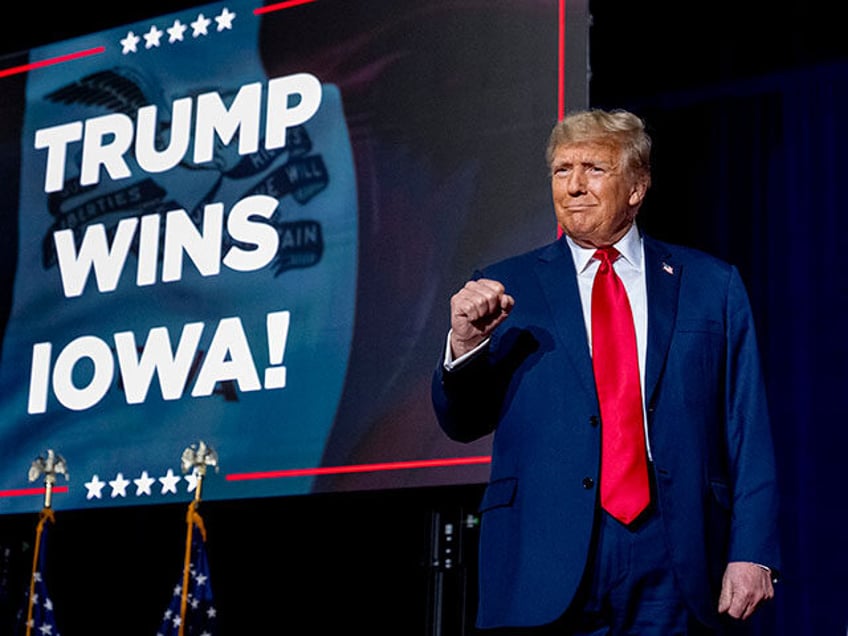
176	32
143	484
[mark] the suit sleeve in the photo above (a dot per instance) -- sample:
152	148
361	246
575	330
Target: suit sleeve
754	525
462	398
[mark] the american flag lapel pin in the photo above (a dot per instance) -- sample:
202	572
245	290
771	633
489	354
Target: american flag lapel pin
668	269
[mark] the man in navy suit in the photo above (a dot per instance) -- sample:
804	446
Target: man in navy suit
702	552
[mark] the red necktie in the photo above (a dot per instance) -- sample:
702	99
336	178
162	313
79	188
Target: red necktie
624	471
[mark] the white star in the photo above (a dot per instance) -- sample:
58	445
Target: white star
94	487
200	26
46	628
200	579
169	482
191	478
225	20
119	485
130	43
143	483
152	37
176	31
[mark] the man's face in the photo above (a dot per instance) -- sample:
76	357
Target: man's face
595	198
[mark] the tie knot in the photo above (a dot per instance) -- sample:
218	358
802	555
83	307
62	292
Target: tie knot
606	255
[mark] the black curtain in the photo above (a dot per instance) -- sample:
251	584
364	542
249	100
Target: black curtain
754	172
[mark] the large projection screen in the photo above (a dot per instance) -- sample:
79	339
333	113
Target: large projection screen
240	224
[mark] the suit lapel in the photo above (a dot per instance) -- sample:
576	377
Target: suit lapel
662	278
555	269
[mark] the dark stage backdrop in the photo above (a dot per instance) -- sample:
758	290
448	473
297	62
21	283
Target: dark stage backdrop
753	170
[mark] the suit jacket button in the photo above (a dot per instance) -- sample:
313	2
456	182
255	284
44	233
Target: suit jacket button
594	421
588	483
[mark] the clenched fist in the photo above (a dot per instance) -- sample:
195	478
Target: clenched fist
476	309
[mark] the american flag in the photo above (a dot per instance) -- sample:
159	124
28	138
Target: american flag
200	613
36	618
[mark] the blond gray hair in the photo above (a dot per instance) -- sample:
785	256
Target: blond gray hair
619	127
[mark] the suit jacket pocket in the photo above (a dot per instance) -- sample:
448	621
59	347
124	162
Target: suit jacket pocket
499	494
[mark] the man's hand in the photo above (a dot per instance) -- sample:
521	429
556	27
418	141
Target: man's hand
476	309
744	587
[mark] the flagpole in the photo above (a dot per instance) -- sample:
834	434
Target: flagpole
196	459
187	563
50	466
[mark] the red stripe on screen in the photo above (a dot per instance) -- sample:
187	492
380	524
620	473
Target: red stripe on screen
361	468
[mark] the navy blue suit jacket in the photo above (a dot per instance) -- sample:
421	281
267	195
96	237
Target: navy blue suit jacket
707	424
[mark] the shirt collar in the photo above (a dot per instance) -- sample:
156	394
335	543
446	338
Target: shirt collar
629	246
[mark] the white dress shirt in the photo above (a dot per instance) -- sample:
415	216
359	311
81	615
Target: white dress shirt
630	267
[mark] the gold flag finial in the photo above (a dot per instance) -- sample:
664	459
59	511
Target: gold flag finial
196	458
50	466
